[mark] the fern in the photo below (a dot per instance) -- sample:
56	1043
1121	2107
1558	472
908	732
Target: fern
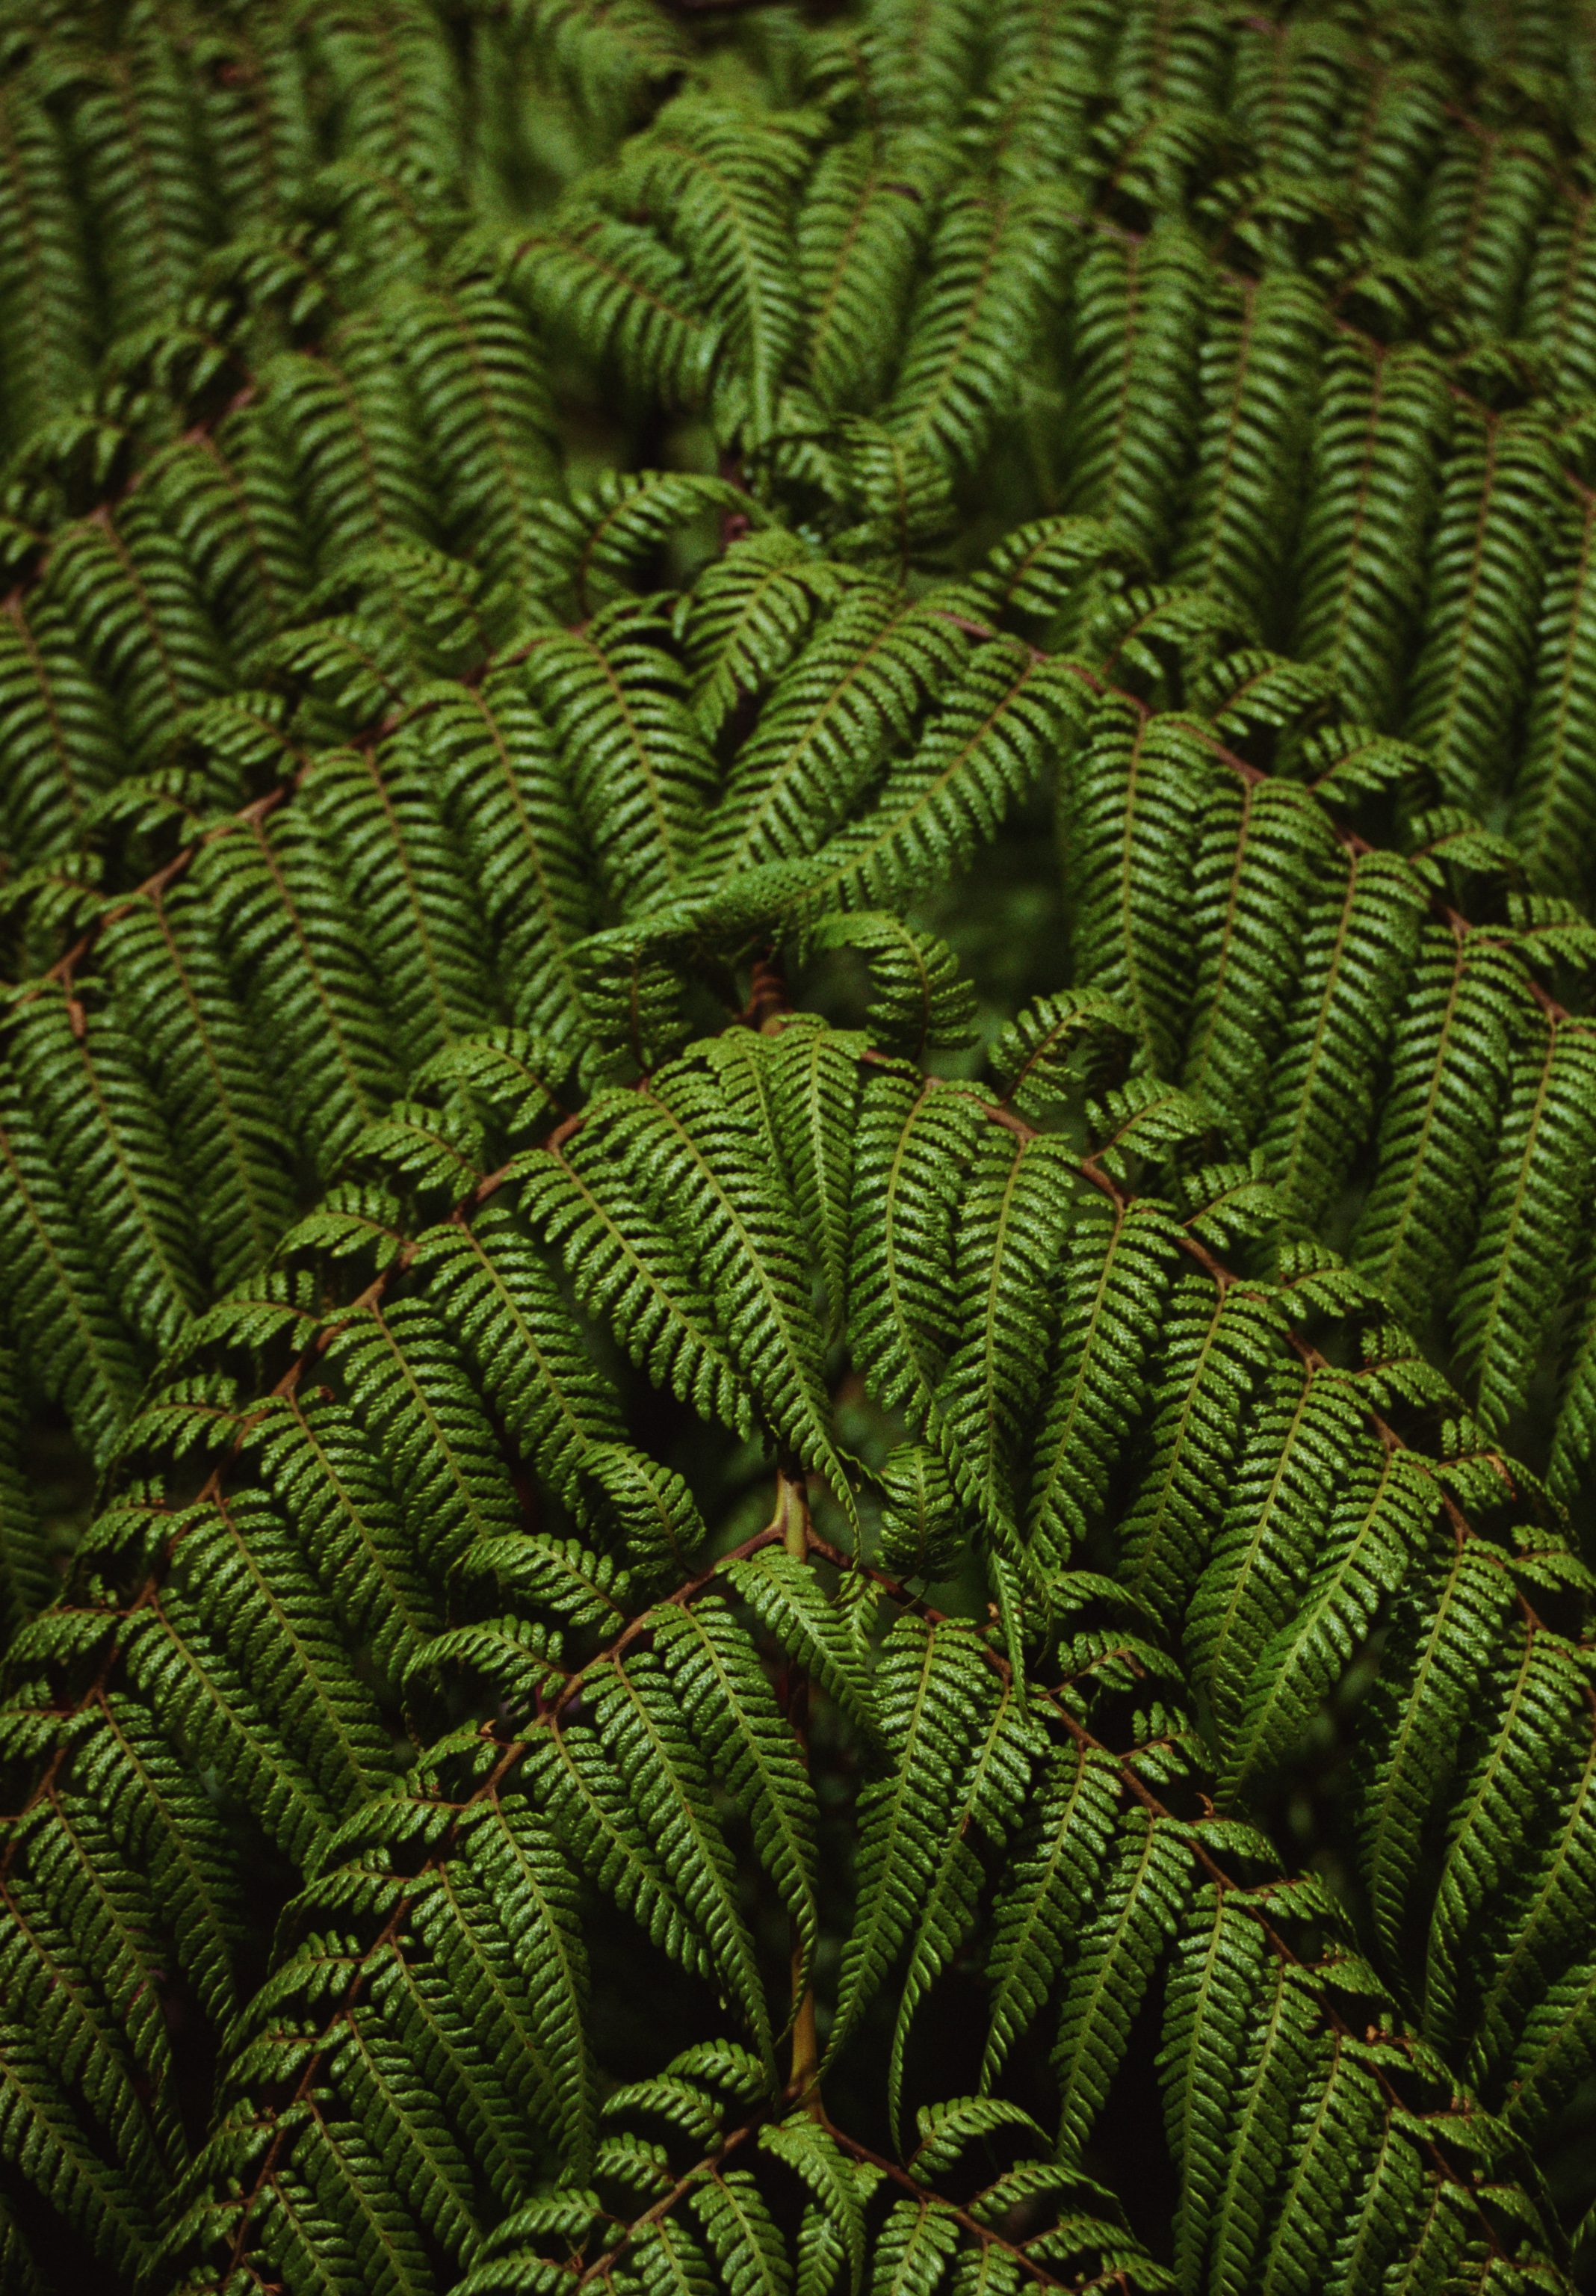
798	1374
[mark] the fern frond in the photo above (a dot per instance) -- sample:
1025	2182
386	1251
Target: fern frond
275	1626
346	433
922	1004
176	1000
1140	1896
1540	1700
134	129
1117	1269
1056	1858
618	702
924	1681
25	1574
483	404
626	1266
110	1141
827	727
1481	598
140	621
1016	1211
609	57
987	1798
1359	940
1217	1349
639	1723
61	744
501	1299
1551	813
616	292
860	230
1451	1062
1484	201
493	758
1136	789
290	939
1261	846
1137	313
747	1245
1510	1289
328	1481
915	1143
981	755
723	181
421	926
58	1302
814	1088
1043	72
593	549
1428	1685
784	1598
1260	359
401	1370
732	1712
747	614
990	265
1216	1975
46	314
1377	1527
1307	1432
1381	421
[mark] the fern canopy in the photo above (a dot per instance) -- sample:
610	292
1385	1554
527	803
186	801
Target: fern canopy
797	1093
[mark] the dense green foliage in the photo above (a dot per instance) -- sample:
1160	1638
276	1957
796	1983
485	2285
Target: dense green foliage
798	1415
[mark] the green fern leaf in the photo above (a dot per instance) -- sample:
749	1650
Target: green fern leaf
860	231
1450	1067
1117	1267
1142	1897
1308	1433
1133	815
289	938
748	1246
742	1732
982	302
1508	1290
638	1719
615	290
501	1300
626	1266
1433	1675
1380	424
507	801
986	1800
743	2235
1357	949
783	1597
924	1683
914	1143
1216	1347
1377	1527
1478	620
1058	1856
1136	313
1259	364
618	702
1016	1212
826	728
724	179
